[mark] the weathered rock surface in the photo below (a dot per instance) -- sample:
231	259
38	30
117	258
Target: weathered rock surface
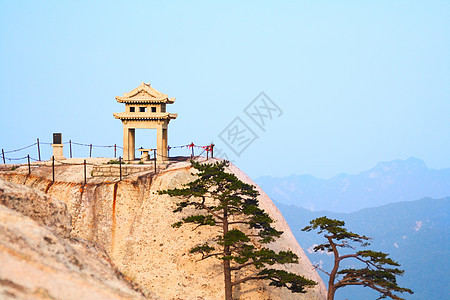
133	223
37	262
37	205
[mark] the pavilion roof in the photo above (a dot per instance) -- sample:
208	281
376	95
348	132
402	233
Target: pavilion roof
144	93
144	116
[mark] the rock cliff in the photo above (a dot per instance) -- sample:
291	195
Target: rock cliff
38	261
133	223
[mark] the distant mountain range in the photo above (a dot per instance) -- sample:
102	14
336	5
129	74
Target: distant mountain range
414	233
387	182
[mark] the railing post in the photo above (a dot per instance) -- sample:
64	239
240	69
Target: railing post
212	150
154	154
120	168
39	150
29	167
115	149
3	155
70	146
207	152
84	172
90	150
53	168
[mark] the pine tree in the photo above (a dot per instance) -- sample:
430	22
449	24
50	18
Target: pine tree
229	205
378	272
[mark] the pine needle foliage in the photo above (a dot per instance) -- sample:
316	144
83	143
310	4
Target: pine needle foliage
378	272
222	201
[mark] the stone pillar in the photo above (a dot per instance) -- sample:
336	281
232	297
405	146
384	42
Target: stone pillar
58	151
125	142
131	143
164	136
159	143
128	143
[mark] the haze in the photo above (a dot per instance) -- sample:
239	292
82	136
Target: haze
357	82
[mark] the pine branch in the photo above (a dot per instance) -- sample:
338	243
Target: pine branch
316	266
248	278
209	210
212	255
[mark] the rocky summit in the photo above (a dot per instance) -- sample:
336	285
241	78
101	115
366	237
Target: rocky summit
109	239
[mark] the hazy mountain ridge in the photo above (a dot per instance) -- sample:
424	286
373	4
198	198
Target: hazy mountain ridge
415	233
387	182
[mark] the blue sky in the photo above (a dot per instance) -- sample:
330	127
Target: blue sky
357	82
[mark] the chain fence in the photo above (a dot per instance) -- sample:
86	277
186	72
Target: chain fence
15	161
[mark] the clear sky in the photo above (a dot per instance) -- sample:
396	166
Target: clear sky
354	83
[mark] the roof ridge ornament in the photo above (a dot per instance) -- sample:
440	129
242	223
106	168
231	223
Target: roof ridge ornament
144	93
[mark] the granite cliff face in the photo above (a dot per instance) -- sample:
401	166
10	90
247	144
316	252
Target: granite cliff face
133	223
39	261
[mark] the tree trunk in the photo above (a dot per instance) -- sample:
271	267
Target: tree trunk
226	262
227	276
331	287
330	295
331	290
